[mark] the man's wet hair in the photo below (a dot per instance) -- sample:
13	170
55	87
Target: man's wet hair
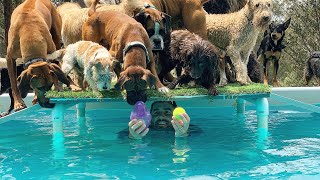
173	103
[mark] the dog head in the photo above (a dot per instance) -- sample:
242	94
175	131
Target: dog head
40	76
157	31
202	56
277	31
135	80
260	13
99	74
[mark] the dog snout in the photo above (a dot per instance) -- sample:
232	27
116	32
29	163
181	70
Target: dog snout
45	103
135	96
273	36
266	18
157	40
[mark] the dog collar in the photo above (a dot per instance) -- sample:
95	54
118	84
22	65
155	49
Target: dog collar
136	44
31	61
146	5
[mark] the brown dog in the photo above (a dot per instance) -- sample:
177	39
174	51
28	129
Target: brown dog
129	43
34	32
188	14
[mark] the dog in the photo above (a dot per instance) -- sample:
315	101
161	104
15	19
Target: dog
186	14
312	68
271	48
34	32
236	34
92	63
129	43
197	56
73	17
89	2
223	6
253	67
5	85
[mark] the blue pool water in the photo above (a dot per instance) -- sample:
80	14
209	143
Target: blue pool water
221	146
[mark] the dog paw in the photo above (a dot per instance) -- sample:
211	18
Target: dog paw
19	106
171	86
275	84
223	83
163	90
3	114
75	88
213	91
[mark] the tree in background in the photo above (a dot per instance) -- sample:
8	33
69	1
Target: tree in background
302	37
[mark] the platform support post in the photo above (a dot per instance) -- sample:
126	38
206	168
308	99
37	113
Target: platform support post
241	106
57	132
262	108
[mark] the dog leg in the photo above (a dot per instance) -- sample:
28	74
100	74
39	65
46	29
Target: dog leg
222	70
152	67
275	82
11	105
240	67
265	71
56	27
178	80
12	71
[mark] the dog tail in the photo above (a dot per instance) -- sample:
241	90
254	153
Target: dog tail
203	1
92	9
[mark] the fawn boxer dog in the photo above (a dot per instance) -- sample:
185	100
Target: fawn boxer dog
188	14
129	43
34	32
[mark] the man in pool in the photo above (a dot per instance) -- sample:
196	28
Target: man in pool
162	119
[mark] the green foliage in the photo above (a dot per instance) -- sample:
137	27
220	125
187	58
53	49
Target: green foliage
302	37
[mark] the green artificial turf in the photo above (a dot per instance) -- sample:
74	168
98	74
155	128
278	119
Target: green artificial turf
230	89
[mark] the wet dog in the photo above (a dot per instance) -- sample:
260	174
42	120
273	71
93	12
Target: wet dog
198	57
92	63
129	44
312	68
34	32
271	48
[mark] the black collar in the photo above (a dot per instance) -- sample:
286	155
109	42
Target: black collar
31	61
136	44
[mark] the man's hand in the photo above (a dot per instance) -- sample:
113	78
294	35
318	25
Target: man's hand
181	126
137	129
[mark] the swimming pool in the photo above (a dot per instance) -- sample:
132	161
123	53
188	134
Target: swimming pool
221	146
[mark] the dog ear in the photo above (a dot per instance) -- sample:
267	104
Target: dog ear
167	23
141	18
24	82
122	79
149	78
286	24
59	74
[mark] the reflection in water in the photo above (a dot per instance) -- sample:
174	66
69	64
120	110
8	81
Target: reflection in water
58	145
141	152
180	150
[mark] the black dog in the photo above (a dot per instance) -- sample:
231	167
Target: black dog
271	48
223	6
6	86
198	57
253	66
312	67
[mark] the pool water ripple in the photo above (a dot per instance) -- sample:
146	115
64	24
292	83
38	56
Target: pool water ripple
221	145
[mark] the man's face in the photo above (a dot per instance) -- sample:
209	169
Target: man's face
161	115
